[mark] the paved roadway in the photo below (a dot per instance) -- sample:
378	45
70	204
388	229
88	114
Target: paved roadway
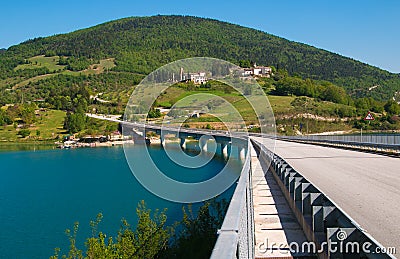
114	118
366	186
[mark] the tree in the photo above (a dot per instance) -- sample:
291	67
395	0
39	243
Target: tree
334	94
154	113
5	119
198	235
151	236
391	107
147	241
245	63
24	133
80	104
27	113
75	122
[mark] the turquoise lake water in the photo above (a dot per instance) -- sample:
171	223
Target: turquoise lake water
44	192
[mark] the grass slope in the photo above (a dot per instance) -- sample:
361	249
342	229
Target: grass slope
49	123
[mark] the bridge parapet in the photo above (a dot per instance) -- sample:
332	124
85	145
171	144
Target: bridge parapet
236	236
385	144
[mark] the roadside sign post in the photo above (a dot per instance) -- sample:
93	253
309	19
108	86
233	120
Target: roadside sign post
369	117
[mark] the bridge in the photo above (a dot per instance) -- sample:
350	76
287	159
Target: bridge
300	193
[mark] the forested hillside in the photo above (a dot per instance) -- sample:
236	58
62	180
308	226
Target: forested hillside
141	44
94	70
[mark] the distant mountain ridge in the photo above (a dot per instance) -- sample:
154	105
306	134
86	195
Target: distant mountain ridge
141	44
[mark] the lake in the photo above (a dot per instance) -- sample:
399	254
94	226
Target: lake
43	192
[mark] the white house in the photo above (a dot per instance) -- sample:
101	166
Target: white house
197	78
257	71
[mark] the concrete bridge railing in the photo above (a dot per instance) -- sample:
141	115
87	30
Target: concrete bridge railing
236	236
323	222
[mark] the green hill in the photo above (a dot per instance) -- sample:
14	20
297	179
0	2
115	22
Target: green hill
141	44
95	69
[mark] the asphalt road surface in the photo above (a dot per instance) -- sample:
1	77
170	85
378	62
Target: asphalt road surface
366	186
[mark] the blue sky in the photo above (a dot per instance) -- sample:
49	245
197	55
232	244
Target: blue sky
362	29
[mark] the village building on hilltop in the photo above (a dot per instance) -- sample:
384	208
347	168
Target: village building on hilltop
244	73
197	78
258	71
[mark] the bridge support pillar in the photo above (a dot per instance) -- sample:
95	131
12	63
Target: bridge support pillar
138	137
203	144
162	141
224	149
242	152
183	142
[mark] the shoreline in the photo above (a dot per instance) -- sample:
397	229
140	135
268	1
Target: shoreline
153	141
50	144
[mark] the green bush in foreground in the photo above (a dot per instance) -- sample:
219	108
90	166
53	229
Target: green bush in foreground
195	237
146	241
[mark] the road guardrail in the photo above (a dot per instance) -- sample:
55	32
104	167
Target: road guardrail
236	236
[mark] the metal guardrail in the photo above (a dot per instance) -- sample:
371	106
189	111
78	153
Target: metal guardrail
385	139
236	236
321	219
381	143
385	144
